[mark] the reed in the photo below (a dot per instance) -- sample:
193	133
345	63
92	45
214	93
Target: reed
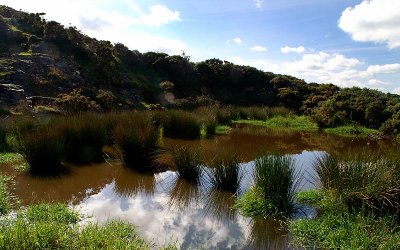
136	140
180	124
187	163
225	174
43	149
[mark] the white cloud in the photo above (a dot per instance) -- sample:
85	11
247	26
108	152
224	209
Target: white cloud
97	19
159	15
396	91
236	40
373	21
258	48
324	67
259	3
288	49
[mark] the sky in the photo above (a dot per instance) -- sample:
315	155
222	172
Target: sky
345	42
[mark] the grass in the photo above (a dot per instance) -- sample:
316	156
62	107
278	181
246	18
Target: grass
136	140
352	131
336	227
26	53
223	130
289	122
187	163
85	137
55	227
274	191
8	157
226	174
180	124
6	73
362	182
43	150
5	203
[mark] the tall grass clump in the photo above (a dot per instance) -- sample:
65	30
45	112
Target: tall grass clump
274	191
362	182
226	174
136	140
5	204
187	163
43	149
3	136
85	137
180	124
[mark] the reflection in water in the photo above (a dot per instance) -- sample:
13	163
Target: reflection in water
164	207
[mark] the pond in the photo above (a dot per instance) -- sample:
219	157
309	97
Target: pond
165	208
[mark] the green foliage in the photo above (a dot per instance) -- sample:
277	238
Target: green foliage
187	163
180	124
363	182
76	102
290	122
136	139
253	204
352	131
226	174
10	157
5	204
275	184
43	149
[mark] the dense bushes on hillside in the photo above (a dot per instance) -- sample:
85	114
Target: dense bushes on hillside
130	77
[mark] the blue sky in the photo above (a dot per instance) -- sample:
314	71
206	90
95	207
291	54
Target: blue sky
345	42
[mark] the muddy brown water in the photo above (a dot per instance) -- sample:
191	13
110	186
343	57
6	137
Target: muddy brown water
165	208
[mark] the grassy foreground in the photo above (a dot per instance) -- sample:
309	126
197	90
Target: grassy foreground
55	226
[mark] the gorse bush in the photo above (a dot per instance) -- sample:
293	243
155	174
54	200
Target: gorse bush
363	181
187	163
180	124
136	139
43	149
226	174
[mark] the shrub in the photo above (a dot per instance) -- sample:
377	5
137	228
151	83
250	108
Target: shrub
76	102
136	140
226	174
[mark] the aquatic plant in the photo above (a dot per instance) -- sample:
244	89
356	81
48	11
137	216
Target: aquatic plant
187	163
361	181
275	181
180	124
85	137
226	174
136	140
43	149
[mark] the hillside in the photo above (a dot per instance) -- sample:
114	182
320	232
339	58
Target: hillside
44	64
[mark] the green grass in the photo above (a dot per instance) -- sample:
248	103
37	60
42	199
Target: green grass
5	204
289	122
180	124
187	163
226	175
26	53
352	131
337	228
223	130
8	157
6	73
275	184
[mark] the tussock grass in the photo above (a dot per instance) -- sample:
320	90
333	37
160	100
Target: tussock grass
136	140
43	149
85	137
187	163
362	181
5	203
274	191
225	174
180	124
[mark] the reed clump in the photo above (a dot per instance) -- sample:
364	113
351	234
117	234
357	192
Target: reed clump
226	174
43	149
187	163
136	140
273	193
180	124
363	182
